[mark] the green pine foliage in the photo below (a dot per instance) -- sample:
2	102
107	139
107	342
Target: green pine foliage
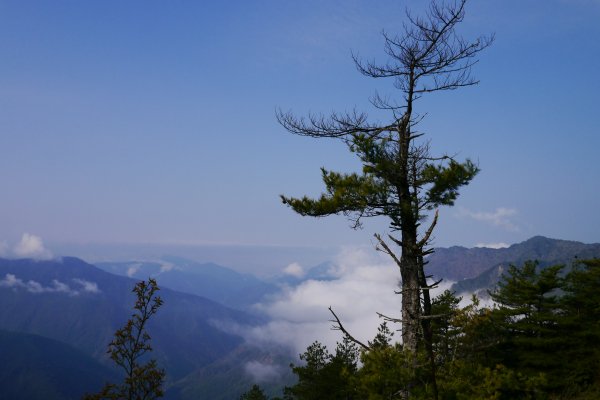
390	371
324	375
529	316
445	334
255	393
541	340
581	322
464	380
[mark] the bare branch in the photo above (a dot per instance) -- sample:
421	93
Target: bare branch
389	319
427	235
339	327
393	239
385	248
433	285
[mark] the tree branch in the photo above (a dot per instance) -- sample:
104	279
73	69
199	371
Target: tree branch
339	327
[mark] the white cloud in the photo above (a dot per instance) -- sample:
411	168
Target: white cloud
294	269
31	246
500	217
133	269
261	372
58	286
166	266
87	286
11	281
3	249
499	245
366	285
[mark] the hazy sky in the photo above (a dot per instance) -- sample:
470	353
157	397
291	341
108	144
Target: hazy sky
153	121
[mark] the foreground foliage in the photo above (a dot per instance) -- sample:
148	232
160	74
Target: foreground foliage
541	340
255	393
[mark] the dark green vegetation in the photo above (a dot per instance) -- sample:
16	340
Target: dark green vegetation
540	341
256	393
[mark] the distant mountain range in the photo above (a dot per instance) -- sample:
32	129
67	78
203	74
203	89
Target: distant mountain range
481	268
324	271
217	283
79	306
58	316
457	263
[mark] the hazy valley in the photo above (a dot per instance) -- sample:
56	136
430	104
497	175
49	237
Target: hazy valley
217	332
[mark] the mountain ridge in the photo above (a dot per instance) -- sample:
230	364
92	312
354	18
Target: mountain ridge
215	282
73	302
37	368
457	263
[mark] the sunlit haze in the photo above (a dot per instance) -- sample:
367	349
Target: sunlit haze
153	123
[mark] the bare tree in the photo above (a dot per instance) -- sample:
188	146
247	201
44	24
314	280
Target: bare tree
400	179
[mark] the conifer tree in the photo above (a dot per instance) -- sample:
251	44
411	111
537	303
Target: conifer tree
400	179
444	333
255	393
387	369
582	323
530	319
325	376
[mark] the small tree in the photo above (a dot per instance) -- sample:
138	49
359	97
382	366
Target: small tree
143	381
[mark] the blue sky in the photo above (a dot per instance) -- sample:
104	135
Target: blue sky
153	121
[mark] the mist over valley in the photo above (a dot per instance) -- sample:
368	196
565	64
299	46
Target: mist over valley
217	325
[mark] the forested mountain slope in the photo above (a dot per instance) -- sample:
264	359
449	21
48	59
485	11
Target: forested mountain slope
75	303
